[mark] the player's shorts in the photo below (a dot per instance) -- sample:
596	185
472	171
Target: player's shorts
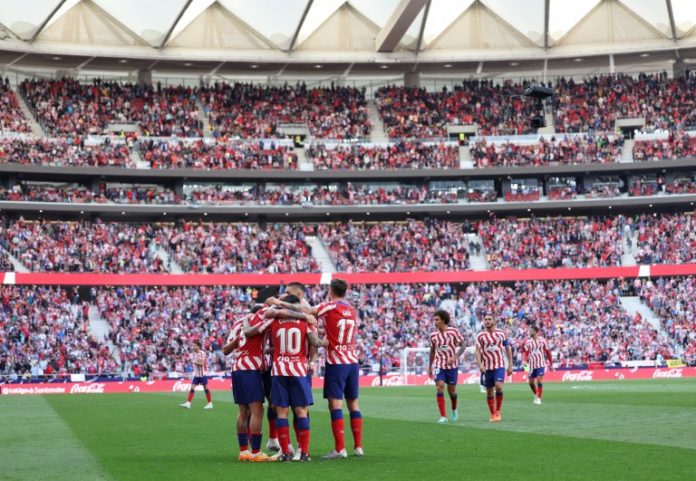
291	391
266	377
199	380
448	376
534	373
493	376
247	387
341	380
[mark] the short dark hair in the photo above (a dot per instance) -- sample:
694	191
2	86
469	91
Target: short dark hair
291	299
534	328
297	285
198	343
338	287
256	308
443	315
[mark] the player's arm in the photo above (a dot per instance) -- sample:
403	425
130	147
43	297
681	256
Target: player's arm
462	347
479	361
549	357
432	358
508	351
273	301
283	313
256	329
314	340
313	353
230	346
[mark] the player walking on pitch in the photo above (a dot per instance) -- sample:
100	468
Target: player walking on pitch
538	354
446	347
199	377
490	344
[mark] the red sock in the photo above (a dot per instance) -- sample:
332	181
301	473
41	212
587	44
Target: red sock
303	440
491	404
540	390
498	400
356	427
454	402
534	388
284	438
208	396
190	396
441	403
272	432
294	428
337	426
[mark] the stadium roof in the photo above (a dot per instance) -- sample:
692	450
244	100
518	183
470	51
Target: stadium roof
354	36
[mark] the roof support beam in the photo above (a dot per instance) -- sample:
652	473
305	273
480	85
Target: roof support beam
672	25
419	45
299	25
46	20
84	64
8	65
547	6
401	19
176	22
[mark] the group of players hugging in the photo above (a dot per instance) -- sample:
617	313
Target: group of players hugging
275	348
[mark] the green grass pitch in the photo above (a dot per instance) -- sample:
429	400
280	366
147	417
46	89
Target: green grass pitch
632	430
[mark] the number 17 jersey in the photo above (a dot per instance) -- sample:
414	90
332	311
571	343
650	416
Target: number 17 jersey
341	325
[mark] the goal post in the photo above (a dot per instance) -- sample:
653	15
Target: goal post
415	361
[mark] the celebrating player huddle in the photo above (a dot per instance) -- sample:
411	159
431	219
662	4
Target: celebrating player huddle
288	328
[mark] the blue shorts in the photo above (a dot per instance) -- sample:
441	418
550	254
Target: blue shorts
493	376
199	380
311	396
448	376
266	377
247	387
290	391
341	380
534	373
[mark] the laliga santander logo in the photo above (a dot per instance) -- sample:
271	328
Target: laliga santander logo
389	381
577	376
181	386
671	373
93	388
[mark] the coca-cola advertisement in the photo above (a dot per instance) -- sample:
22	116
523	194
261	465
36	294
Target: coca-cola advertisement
220	384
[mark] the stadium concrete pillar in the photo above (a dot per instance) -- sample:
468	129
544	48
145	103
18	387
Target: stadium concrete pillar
63	74
144	77
412	79
179	188
9	181
678	67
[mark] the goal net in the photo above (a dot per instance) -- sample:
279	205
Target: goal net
415	361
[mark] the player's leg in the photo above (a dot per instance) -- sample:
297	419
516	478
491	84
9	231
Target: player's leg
242	432
532	383
352	392
281	400
208	396
540	387
192	392
272	443
300	397
489	384
334	386
452	391
499	378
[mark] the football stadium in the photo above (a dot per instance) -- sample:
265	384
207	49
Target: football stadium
371	239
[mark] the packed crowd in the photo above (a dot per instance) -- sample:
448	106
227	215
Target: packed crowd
553	242
254	111
154	327
12	119
586	149
673	300
79	194
220	154
677	145
665	238
72	246
68	107
401	155
597	102
62	152
44	331
228	248
497	109
430	245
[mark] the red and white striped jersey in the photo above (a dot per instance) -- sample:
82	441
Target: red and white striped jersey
536	349
199	363
289	337
249	352
341	324
446	345
492	348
